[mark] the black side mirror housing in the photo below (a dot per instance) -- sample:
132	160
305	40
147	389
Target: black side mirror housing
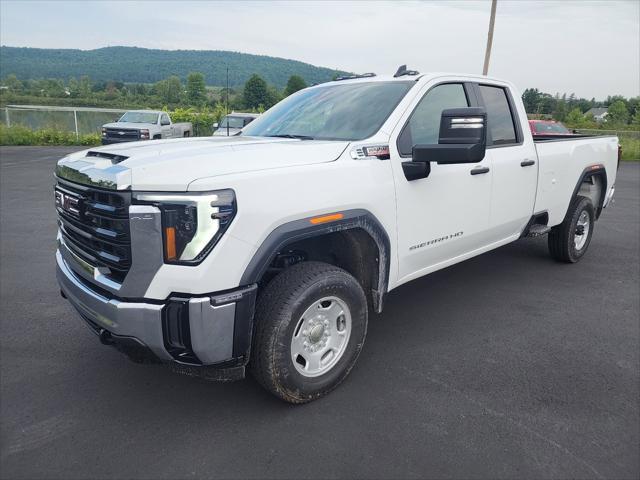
462	139
448	154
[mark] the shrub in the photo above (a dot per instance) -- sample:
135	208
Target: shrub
202	121
21	135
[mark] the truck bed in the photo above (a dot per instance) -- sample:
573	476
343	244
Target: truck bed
561	164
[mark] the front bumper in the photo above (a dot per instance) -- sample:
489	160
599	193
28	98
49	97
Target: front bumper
197	331
110	141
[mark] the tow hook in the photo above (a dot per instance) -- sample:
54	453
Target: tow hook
105	337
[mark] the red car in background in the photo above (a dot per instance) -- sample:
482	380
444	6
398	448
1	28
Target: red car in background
548	127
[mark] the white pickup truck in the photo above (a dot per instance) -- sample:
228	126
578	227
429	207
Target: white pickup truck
269	249
136	125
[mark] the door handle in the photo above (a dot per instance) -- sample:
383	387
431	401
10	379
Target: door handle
479	170
527	163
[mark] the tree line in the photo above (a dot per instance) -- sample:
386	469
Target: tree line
621	112
257	95
171	93
142	65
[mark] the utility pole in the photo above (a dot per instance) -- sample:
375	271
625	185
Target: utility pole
492	21
227	106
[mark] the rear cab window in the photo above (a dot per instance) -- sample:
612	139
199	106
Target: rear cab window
501	118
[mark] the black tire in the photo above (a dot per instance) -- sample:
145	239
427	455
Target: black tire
561	237
278	311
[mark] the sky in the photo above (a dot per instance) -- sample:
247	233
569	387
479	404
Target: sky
588	47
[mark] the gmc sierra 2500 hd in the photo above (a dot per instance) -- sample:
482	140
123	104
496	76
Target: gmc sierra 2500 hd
267	250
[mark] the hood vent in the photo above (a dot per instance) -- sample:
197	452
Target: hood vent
111	156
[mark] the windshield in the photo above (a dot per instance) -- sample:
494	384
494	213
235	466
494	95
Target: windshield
550	127
139	117
232	122
336	112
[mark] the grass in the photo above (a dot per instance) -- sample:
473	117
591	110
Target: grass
20	135
630	148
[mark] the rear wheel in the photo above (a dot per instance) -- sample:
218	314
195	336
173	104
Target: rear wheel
311	322
569	241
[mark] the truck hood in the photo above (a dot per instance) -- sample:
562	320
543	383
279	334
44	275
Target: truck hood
129	125
171	165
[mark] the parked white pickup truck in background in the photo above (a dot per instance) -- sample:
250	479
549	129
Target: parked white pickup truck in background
233	123
137	125
269	249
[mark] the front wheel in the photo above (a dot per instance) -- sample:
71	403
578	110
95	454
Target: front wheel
311	322
569	241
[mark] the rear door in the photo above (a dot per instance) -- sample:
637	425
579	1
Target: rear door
513	160
445	215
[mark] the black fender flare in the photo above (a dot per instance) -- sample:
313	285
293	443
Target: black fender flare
593	170
303	228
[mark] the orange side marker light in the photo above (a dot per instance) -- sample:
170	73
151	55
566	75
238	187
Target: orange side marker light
326	218
170	239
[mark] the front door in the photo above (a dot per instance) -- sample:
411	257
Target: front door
446	215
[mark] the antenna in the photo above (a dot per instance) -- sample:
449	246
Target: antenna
402	71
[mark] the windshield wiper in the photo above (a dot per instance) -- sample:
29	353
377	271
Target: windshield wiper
290	135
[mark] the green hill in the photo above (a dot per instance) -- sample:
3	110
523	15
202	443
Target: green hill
141	65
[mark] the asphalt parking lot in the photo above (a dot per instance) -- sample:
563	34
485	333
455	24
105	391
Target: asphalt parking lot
505	366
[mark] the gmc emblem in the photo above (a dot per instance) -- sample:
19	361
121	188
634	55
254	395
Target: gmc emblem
68	203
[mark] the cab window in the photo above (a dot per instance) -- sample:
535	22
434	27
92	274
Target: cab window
423	128
499	115
165	119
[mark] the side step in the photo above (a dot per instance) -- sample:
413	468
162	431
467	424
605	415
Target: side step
538	230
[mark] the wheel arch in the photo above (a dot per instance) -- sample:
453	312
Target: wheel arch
593	185
361	232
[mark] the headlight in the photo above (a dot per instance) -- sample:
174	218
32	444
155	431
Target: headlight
104	132
144	134
192	223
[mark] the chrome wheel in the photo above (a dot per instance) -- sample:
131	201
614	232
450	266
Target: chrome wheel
321	336
582	230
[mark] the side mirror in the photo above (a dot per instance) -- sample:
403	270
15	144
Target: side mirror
462	139
215	125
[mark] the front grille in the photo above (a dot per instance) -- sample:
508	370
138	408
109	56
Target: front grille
95	226
122	133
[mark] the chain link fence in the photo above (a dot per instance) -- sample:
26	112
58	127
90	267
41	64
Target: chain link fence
81	120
